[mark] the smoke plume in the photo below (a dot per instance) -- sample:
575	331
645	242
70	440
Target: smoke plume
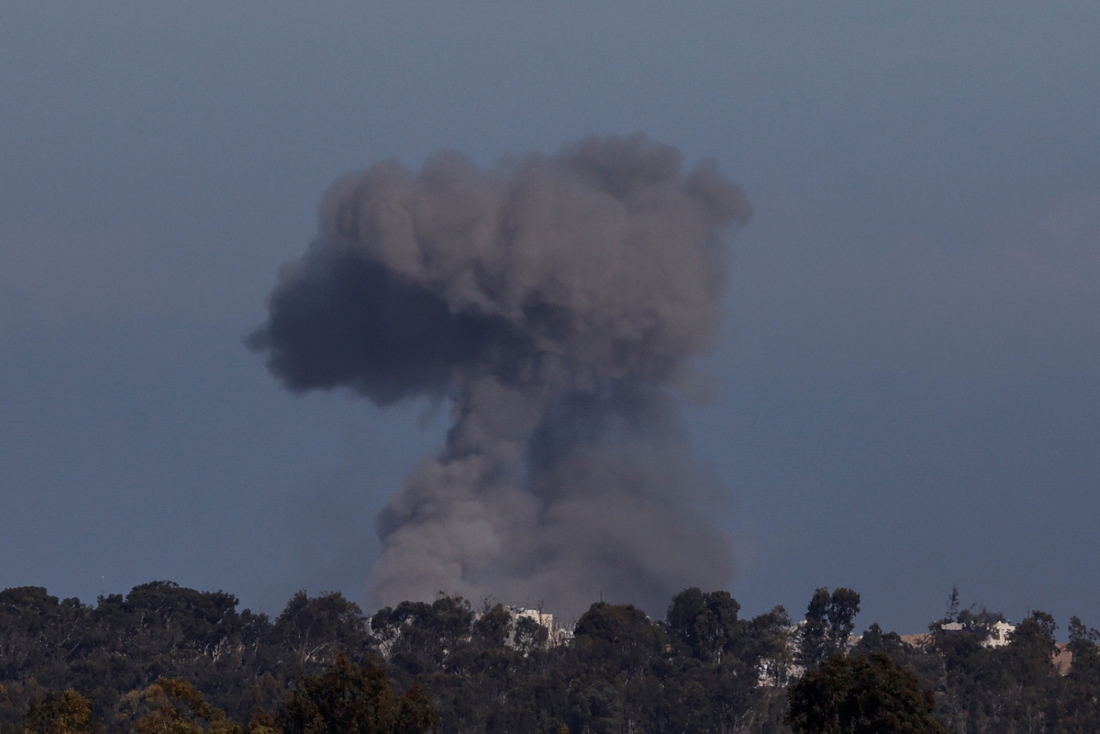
556	300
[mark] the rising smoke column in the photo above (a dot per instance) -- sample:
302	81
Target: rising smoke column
556	300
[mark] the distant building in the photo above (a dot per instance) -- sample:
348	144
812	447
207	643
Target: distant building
543	619
555	635
998	634
993	635
780	671
1063	659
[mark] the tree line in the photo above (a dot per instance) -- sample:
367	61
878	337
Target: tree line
164	658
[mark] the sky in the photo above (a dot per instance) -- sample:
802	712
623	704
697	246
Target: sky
906	394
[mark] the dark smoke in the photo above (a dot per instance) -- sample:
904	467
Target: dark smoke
556	300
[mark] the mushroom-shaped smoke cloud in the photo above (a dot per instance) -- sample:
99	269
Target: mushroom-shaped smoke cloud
556	299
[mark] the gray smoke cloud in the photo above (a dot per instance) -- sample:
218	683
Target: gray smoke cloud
557	300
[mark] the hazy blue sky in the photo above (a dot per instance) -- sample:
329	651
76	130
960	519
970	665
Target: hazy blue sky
909	392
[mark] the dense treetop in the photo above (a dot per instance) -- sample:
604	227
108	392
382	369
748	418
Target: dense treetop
165	658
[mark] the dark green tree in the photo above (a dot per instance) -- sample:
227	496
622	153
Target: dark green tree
861	695
927	665
1086	656
353	699
421	636
621	631
38	633
1028	665
770	634
830	619
316	628
529	635
493	627
707	623
1029	655
1079	704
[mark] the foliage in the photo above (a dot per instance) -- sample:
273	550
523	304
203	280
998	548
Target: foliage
493	627
173	706
1086	660
125	644
927	667
529	635
66	712
316	629
1010	688
169	659
830	619
861	695
707	624
353	699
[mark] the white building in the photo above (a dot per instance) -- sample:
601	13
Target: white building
555	636
998	634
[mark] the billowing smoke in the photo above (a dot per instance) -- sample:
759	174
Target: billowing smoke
557	300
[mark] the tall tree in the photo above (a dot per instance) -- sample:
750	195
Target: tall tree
830	619
1079	704
707	623
1031	649
1086	656
952	614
